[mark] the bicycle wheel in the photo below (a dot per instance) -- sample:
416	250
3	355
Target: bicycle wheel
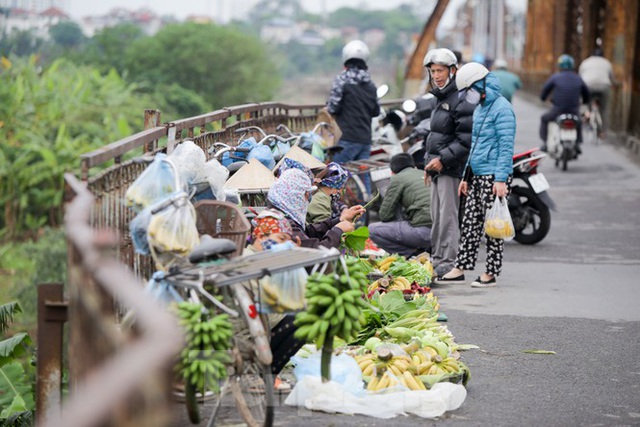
251	383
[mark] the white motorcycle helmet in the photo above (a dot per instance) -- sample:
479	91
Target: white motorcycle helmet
500	64
441	56
469	74
356	49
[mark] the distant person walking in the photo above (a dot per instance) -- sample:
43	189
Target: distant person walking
353	103
509	82
597	73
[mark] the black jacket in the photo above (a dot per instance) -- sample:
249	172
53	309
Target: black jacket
353	102
450	136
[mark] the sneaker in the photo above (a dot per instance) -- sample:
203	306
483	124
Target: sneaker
479	283
441	280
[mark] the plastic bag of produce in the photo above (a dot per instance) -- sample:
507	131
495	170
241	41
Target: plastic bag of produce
189	160
497	222
173	229
157	181
283	292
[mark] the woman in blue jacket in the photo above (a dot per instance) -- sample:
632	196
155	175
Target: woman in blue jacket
488	170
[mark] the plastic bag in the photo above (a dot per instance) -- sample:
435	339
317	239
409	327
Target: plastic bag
497	222
189	160
344	371
215	175
283	292
333	397
313	144
159	180
263	154
173	229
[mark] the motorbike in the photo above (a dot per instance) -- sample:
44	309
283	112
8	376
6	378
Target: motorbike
563	139
418	126
529	202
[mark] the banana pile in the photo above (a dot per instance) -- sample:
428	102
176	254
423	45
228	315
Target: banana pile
284	293
203	361
334	305
384	264
390	284
418	367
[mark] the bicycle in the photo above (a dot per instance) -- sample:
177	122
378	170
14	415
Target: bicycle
592	120
214	276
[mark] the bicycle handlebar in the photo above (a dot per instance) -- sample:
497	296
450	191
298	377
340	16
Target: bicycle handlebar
250	129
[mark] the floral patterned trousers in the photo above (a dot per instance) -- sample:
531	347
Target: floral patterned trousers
479	200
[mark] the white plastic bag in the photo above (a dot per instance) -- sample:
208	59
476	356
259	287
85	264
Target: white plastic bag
173	229
159	180
344	371
332	397
497	222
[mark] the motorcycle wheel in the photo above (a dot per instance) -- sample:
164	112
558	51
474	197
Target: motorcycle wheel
531	217
566	156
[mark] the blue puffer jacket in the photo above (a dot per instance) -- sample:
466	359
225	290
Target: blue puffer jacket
494	131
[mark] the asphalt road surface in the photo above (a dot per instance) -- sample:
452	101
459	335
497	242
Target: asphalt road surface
576	293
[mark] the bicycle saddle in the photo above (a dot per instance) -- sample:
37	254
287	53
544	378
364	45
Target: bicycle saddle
233	167
211	248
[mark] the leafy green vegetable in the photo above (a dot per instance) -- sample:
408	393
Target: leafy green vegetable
412	271
356	239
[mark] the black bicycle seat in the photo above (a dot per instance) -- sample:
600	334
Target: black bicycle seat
211	248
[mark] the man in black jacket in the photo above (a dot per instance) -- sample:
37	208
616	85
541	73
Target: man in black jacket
353	102
447	149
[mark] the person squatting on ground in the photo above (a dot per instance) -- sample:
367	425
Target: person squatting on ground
405	211
490	166
291	195
447	148
567	88
353	103
597	73
325	203
509	81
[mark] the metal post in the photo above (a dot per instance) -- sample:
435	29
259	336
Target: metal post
52	313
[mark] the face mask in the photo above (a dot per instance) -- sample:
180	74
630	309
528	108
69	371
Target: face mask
277	247
472	96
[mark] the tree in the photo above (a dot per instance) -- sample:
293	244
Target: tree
20	43
48	117
67	34
224	66
105	50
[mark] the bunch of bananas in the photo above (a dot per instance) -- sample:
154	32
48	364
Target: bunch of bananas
277	301
390	284
386	370
203	361
334	305
423	259
384	264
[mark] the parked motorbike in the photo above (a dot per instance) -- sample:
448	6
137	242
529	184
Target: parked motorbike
418	126
529	203
563	139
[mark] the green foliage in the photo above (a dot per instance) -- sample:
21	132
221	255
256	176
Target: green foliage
20	43
67	34
52	116
17	394
105	50
224	66
7	311
24	265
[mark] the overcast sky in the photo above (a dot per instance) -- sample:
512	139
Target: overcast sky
229	9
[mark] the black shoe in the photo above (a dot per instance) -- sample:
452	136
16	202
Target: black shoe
578	149
440	280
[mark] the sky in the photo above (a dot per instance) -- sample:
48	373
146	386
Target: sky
231	9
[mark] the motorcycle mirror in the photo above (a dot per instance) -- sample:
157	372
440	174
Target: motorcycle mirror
409	106
382	91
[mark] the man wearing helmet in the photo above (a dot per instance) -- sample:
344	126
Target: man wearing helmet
567	88
509	82
353	102
447	148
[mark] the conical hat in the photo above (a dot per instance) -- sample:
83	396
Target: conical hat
297	153
252	176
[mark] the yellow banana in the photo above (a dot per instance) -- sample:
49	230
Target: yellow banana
412	382
415	359
383	383
373	384
369	370
401	364
424	368
394	370
405	282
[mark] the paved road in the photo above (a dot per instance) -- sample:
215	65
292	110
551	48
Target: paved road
576	293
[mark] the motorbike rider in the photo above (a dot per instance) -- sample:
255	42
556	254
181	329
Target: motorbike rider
597	73
567	88
353	102
447	149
